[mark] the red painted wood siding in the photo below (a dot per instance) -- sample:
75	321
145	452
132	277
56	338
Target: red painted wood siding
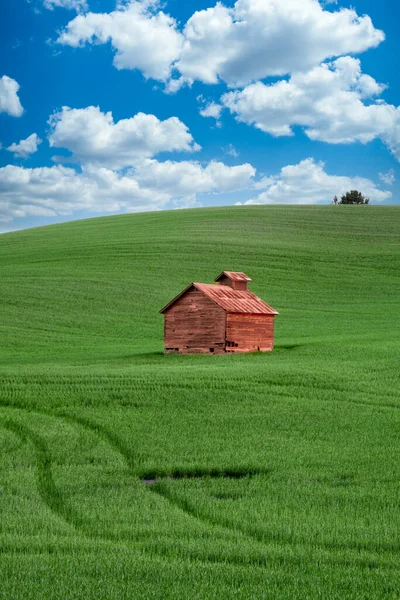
194	324
249	332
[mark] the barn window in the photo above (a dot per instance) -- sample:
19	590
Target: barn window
211	349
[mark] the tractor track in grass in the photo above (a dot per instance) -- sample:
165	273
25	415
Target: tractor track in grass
47	489
50	494
52	497
102	432
116	443
264	537
55	502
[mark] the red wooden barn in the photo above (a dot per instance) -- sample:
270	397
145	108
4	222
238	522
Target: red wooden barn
220	317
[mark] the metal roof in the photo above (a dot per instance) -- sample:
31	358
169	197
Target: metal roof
235	301
232	301
234	276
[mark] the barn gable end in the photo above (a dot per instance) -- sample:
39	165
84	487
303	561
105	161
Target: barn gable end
194	323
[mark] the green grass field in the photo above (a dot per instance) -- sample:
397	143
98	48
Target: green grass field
278	473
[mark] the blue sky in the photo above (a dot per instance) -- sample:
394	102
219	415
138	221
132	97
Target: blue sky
110	107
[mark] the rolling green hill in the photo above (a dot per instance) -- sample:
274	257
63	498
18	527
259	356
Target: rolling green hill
278	474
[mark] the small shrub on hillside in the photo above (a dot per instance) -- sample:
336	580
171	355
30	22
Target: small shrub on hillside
353	197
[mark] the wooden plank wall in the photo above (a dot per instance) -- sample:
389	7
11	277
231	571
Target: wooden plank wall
194	324
249	332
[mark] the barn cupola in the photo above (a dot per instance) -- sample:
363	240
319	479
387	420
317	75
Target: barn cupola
237	281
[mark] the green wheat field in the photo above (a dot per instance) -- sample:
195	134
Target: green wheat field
277	474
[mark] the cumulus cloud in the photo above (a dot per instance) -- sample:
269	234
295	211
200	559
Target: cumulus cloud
309	183
212	109
59	190
9	101
25	147
186	178
329	102
78	5
142	36
252	40
260	38
93	137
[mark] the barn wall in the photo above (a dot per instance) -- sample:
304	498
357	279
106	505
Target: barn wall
194	323
249	332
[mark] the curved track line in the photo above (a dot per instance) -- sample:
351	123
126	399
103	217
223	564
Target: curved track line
50	494
105	434
227	525
263	537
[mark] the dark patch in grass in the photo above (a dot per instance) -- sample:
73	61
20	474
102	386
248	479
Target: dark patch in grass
152	477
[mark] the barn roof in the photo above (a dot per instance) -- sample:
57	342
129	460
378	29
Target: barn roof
235	301
232	301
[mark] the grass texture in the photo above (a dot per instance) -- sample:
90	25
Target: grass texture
127	474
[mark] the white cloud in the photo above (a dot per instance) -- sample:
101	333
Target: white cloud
78	5
93	137
9	101
328	101
260	38
212	109
59	190
252	40
187	178
391	136
26	147
308	183
230	150
388	178
143	37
